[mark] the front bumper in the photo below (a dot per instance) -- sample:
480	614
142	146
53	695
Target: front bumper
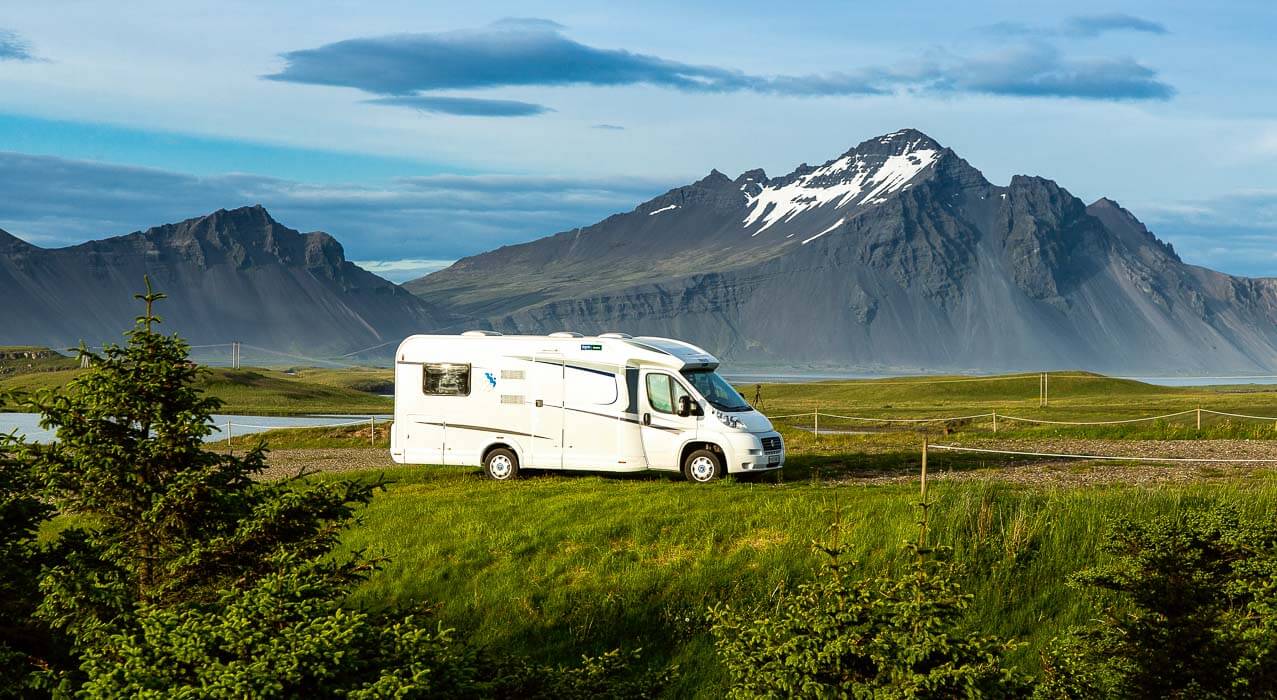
754	457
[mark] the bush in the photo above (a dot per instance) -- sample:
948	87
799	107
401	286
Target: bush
1196	615
25	644
887	637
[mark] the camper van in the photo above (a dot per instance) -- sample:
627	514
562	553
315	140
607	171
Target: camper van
565	401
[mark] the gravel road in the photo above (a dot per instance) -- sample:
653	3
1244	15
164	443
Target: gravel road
1023	470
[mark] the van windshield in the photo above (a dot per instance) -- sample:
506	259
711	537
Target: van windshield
716	390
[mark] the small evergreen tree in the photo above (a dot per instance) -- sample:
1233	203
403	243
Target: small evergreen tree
162	520
842	636
1196	616
25	645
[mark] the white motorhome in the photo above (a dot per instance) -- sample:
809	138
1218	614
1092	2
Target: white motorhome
564	401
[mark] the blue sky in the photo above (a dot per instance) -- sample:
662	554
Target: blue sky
421	132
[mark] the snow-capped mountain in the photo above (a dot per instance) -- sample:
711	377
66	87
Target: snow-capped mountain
896	254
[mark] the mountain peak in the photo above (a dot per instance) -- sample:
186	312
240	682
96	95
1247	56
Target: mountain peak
863	176
899	142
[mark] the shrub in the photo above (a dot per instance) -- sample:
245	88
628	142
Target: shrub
1196	615
25	645
845	636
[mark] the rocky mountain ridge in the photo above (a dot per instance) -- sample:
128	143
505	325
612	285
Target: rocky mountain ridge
897	254
233	275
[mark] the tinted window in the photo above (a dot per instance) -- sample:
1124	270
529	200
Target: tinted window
446	379
716	390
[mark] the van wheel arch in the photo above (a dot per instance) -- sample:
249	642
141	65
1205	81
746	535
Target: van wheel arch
501	462
700	446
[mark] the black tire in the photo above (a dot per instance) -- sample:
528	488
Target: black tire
702	467
501	465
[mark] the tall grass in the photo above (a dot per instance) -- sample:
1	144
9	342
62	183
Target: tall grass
557	566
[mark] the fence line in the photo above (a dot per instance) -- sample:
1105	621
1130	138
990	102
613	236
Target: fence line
1116	458
995	416
233	424
1239	415
1101	422
906	420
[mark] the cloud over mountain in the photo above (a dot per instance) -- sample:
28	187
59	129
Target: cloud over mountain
53	201
408	69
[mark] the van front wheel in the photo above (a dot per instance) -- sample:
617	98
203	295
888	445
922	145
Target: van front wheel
501	465
702	466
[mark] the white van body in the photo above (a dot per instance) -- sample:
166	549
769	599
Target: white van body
565	401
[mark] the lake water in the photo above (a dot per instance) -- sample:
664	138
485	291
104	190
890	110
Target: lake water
28	424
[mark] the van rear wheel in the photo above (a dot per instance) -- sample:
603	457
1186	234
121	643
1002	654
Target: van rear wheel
702	466
501	465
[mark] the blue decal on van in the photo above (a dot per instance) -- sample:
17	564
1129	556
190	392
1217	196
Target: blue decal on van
491	379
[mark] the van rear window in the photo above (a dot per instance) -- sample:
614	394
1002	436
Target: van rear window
446	379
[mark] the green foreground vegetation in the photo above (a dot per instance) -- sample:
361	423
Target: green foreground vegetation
559	566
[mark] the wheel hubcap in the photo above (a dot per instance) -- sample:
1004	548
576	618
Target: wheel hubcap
702	469
500	466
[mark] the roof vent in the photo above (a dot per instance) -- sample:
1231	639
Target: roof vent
566	334
480	334
616	336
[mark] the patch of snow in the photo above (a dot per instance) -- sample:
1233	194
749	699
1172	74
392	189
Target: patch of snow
658	211
1003	195
861	181
836	225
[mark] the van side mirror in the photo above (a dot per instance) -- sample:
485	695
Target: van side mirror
688	407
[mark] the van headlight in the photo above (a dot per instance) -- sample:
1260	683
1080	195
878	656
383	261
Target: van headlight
728	420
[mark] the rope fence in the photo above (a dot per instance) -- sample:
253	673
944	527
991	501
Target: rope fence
370	421
994	416
1115	458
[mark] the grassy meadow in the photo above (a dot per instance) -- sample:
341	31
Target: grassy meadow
558	566
1073	396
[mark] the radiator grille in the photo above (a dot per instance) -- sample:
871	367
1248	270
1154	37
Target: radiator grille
771	444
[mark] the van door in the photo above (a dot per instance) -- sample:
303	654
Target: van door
591	412
546	386
664	431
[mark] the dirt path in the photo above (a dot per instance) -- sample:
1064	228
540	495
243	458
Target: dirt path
1081	472
342	459
1043	471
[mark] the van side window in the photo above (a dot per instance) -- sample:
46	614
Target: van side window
446	379
663	392
658	393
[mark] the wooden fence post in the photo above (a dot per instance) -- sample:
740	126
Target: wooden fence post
1199	419
372	431
815	416
995	422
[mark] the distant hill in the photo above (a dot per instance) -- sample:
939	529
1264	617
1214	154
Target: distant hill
230	275
897	254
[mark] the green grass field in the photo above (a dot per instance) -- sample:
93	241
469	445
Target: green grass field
557	566
1074	396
